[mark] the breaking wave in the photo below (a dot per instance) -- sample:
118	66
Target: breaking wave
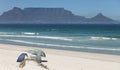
29	33
57	45
103	38
44	37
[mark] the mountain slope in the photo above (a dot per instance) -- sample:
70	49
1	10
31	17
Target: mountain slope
47	15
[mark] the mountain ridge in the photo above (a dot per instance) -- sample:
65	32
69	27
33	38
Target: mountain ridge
48	15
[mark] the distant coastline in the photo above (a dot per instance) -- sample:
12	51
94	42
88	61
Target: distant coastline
50	15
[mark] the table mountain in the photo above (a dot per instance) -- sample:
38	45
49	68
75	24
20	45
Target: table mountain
47	15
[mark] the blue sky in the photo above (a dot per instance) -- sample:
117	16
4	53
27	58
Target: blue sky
87	8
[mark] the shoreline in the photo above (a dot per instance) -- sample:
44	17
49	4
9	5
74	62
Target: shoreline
94	51
59	59
87	55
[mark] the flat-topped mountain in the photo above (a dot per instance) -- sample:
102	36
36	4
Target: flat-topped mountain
47	15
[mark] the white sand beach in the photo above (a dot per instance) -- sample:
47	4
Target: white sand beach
58	60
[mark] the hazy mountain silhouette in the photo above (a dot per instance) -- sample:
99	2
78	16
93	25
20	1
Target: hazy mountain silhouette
101	17
47	15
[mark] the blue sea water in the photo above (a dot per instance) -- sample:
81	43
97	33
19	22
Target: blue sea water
95	38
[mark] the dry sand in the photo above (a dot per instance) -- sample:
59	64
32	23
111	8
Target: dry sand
58	59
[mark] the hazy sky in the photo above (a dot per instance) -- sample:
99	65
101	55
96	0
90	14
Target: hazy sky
87	8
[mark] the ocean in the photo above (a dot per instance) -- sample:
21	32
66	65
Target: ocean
94	38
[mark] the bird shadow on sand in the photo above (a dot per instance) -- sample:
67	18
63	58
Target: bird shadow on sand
23	63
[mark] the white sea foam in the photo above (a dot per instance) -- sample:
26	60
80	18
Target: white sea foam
5	33
29	33
57	45
44	37
102	38
114	38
